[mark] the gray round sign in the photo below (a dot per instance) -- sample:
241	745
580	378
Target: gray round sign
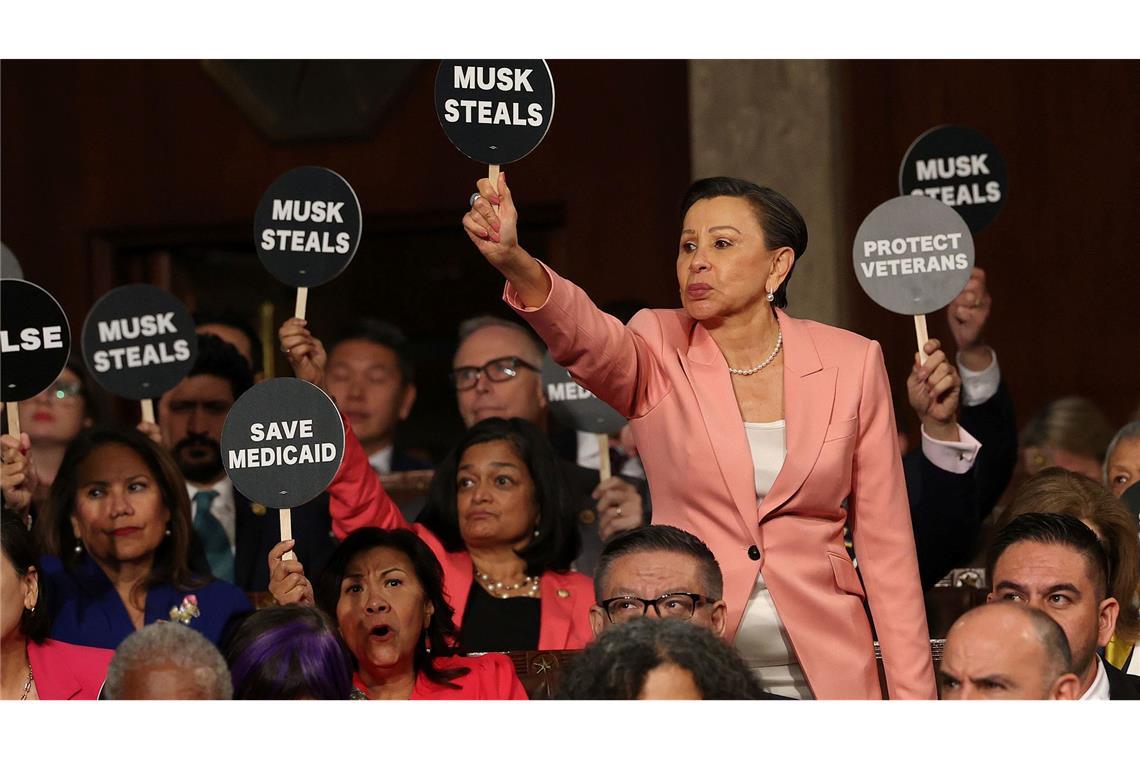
913	254
574	406
282	442
139	341
9	264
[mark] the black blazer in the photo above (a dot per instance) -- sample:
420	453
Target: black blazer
259	528
947	510
1120	684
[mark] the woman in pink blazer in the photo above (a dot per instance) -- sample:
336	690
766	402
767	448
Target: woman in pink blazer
33	666
762	434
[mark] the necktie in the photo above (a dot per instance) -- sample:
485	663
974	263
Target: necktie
213	537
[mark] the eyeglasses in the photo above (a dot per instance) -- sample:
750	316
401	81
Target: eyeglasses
497	371
63	390
678	606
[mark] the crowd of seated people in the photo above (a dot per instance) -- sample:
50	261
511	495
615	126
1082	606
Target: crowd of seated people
132	566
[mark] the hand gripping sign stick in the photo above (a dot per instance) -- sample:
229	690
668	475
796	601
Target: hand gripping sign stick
578	409
282	444
494	112
138	342
307	229
913	255
35	342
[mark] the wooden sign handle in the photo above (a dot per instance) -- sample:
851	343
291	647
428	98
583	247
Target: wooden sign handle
493	175
147	410
286	516
923	337
13	409
604	471
302	303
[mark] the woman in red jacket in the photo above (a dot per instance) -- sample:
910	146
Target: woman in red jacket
495	517
385	590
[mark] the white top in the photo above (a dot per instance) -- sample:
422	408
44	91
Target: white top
222	507
381	461
590	457
762	640
1099	687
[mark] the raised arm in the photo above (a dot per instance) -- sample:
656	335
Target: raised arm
620	364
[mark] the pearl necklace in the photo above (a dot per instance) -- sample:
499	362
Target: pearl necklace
496	588
27	684
766	362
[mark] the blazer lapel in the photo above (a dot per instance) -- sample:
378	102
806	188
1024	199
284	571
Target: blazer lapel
557	609
707	371
809	393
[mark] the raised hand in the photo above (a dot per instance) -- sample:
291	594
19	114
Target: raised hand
287	581
933	390
967	315
619	507
492	223
18	477
306	354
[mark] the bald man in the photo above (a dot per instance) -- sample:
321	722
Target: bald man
1007	651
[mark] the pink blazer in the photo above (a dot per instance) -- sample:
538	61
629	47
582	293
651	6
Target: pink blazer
667	375
68	671
565	597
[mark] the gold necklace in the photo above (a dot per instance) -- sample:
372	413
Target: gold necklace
27	684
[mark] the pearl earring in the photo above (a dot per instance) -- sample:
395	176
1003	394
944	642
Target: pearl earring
78	548
770	297
536	532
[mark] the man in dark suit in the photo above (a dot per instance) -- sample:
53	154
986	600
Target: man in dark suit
1055	563
497	372
234	535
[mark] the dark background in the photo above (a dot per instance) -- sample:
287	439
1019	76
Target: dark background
150	171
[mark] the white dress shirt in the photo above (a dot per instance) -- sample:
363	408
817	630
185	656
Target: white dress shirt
1099	687
381	461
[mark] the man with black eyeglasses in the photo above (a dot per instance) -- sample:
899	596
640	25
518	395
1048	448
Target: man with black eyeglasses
497	372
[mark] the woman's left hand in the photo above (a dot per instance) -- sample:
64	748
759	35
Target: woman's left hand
933	390
18	476
619	507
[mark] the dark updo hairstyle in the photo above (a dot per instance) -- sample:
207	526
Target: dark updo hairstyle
557	543
782	223
441	636
20	550
289	652
172	556
617	663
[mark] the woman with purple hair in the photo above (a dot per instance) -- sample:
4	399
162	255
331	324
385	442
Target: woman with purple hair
289	652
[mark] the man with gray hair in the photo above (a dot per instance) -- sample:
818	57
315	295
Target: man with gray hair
497	372
167	660
1007	651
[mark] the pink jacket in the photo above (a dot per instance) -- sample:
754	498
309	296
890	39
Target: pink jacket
68	671
667	375
565	598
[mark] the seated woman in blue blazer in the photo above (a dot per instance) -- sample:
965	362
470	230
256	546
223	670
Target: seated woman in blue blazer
117	533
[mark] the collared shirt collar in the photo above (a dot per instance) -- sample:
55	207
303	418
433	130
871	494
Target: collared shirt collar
381	461
1099	687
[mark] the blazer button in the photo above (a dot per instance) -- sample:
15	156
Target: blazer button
753	553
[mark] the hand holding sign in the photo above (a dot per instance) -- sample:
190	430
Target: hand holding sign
138	343
492	223
282	444
306	354
307	228
913	255
35	341
933	389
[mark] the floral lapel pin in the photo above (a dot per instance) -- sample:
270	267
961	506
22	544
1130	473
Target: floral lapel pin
187	611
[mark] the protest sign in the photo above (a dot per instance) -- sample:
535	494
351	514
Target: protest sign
960	167
579	409
35	342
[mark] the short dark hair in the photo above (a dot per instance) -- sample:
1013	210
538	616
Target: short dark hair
231	318
557	544
1051	528
442	635
383	334
172	556
781	221
660	538
221	359
20	550
617	663
289	652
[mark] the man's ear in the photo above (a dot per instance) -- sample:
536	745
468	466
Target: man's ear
719	617
409	398
597	620
1067	686
989	597
1106	620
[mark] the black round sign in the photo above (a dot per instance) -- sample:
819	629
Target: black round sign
574	406
139	341
35	339
960	167
282	442
307	226
495	112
